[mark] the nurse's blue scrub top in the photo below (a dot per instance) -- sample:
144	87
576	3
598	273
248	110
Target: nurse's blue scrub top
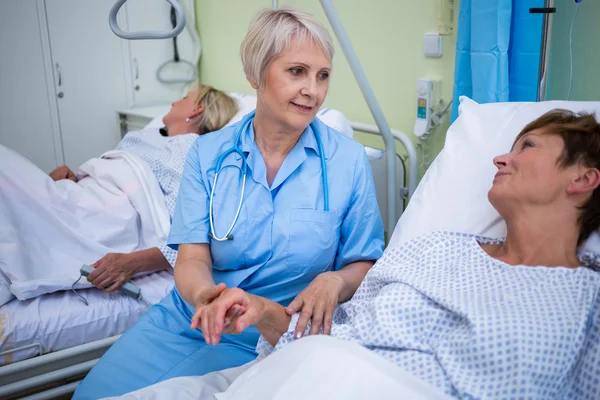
283	238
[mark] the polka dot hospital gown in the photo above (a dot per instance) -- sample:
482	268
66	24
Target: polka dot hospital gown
165	156
477	328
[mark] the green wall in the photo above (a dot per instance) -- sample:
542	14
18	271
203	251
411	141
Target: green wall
387	36
586	51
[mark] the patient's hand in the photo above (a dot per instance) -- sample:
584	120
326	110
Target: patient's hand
63	172
232	312
112	271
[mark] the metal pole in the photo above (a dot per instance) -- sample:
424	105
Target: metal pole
275	4
545	52
41	380
411	152
50	358
361	79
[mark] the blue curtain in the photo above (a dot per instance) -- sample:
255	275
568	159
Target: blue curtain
497	51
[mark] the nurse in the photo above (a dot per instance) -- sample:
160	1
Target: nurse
304	235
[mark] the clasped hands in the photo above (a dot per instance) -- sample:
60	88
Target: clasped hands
221	310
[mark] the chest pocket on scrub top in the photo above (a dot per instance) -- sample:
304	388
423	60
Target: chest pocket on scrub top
313	240
228	255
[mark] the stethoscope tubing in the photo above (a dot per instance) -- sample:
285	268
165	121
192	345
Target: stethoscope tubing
244	170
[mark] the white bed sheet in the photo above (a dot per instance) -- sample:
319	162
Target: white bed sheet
315	367
61	320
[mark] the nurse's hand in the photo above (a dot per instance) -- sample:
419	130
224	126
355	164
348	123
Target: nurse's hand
204	298
232	311
316	303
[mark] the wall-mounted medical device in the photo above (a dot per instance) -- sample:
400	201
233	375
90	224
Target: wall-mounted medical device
428	94
446	17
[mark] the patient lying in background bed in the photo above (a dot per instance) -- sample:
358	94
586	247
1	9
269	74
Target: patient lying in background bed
475	317
114	213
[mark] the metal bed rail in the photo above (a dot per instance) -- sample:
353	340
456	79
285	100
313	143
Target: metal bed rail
411	153
50	375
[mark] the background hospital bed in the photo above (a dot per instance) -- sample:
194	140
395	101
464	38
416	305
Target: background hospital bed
58	326
72	354
137	118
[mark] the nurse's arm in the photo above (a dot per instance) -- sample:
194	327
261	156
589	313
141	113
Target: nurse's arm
352	275
193	271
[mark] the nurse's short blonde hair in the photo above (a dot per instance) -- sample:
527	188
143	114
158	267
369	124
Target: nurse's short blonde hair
271	32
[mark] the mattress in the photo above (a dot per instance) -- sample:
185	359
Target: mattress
61	320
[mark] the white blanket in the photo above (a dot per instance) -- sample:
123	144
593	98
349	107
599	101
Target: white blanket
315	367
49	229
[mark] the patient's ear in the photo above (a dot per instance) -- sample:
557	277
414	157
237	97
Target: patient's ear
587	181
199	109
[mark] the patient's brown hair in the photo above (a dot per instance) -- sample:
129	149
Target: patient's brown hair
580	133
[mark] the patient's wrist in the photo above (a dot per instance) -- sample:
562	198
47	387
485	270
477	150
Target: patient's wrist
273	320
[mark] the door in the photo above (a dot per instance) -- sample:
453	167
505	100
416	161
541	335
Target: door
26	112
89	77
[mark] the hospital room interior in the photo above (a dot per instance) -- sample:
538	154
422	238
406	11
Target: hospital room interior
293	199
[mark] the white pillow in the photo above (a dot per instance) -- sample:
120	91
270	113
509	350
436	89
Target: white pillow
246	103
453	193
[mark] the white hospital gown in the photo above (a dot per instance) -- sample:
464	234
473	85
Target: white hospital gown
166	157
442	309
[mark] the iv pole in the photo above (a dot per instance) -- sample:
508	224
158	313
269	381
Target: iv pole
548	10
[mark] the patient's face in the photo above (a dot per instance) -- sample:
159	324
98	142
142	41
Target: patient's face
296	84
530	174
181	109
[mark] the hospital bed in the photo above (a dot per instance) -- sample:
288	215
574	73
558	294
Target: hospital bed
49	343
451	196
65	334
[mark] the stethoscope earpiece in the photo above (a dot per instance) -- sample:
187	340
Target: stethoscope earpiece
210	236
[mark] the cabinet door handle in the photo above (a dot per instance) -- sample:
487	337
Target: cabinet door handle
59	74
137	68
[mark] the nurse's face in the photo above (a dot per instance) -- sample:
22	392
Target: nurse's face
296	84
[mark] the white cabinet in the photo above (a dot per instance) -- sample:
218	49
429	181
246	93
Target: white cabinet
28	122
89	77
64	74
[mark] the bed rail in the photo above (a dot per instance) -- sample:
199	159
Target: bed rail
411	152
51	375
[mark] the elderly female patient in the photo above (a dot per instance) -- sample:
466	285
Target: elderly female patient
58	226
478	317
301	228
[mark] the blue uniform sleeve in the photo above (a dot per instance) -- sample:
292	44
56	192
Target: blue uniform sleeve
190	220
361	235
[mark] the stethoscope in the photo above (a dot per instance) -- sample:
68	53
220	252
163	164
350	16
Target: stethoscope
244	170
